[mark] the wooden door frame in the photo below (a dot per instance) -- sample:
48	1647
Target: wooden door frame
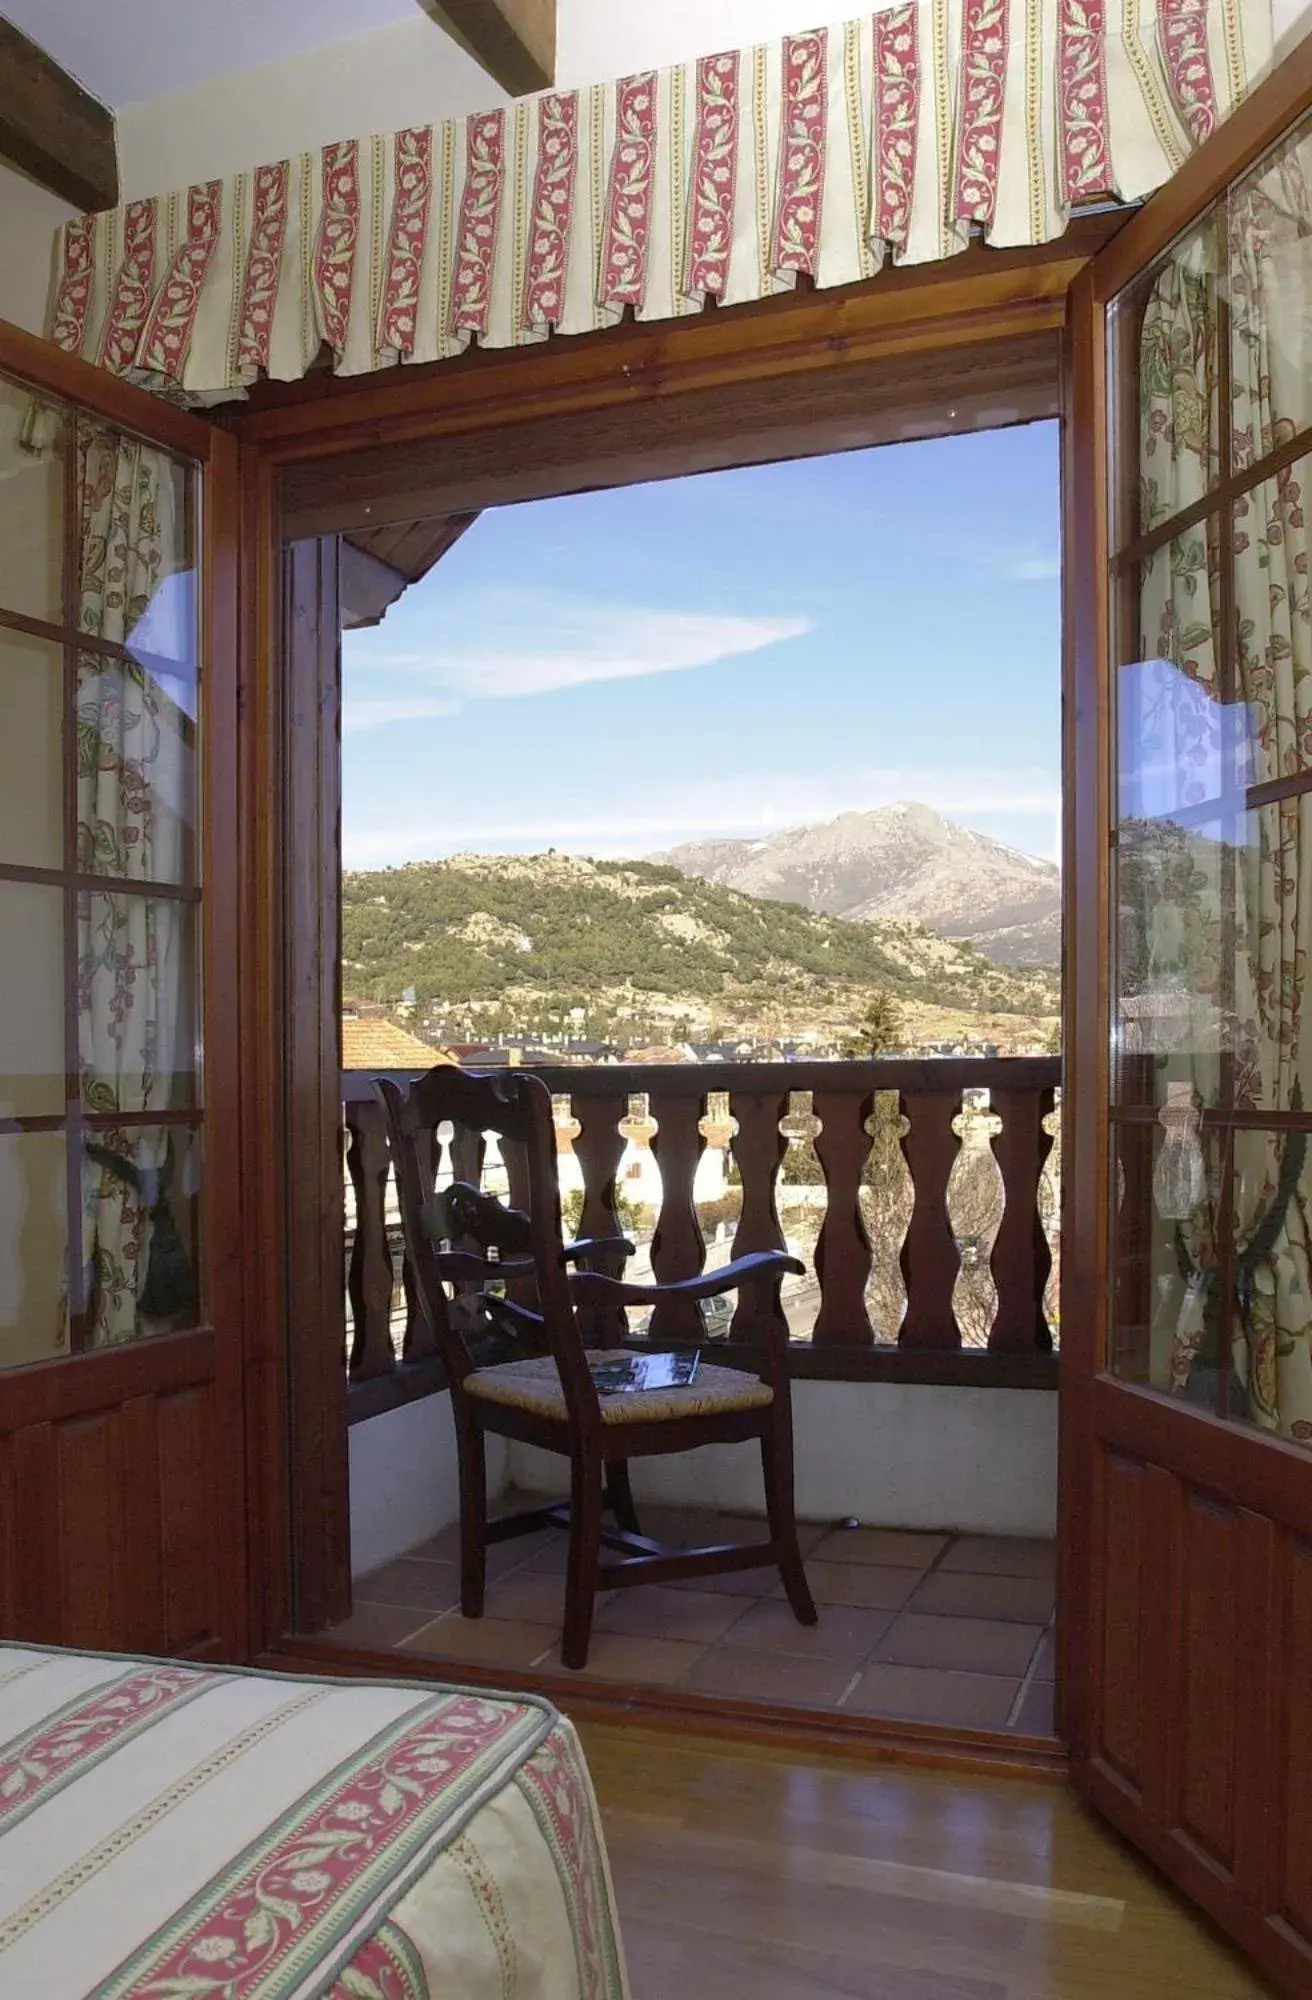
644	391
979	295
646	377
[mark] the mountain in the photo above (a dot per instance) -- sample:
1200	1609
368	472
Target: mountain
532	935
902	861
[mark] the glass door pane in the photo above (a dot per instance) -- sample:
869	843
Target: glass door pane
33	1078
31	750
33	1247
1210	357
100	883
31	505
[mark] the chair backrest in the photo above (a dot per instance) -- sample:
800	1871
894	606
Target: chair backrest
516	1108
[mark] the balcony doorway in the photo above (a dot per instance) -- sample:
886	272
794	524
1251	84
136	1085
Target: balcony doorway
703	701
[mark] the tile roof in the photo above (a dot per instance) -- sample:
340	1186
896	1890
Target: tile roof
382	1045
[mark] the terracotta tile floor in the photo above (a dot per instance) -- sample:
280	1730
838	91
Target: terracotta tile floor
952	1629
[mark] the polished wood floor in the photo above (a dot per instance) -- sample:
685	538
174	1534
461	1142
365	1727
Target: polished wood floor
746	1874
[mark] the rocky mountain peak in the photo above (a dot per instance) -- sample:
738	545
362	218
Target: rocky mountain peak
902	861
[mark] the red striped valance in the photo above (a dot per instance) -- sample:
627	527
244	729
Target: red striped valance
899	134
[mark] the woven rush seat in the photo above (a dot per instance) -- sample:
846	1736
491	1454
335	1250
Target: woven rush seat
535	1385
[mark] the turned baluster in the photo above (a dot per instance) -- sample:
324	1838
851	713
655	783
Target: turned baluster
930	1262
1021	1259
514	1155
369	1279
758	1148
468	1153
420	1340
1134	1215
678	1249
843	1255
599	1148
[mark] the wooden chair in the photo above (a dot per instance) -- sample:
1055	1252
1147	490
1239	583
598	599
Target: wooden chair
549	1398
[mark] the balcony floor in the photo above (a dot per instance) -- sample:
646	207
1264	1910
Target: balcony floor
948	1629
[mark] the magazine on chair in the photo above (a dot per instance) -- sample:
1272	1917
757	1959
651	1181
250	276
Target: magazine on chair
645	1371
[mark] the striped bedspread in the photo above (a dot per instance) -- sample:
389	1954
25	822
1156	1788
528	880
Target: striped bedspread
172	1832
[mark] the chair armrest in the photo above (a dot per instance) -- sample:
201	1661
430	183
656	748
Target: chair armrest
504	1312
595	1288
462	1266
496	1329
598	1246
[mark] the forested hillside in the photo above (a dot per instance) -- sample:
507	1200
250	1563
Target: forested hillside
481	928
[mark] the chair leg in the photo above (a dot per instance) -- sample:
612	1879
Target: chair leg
584	1557
777	1465
619	1496
473	1513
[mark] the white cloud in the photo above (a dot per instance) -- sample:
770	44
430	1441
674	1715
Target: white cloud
361	715
572	645
725	808
1034	569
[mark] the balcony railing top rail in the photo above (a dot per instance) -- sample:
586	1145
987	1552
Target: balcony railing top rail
922	1195
912	1074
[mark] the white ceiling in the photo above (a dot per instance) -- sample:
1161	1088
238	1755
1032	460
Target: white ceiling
128	51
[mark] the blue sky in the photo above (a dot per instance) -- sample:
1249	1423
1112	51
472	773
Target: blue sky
723	656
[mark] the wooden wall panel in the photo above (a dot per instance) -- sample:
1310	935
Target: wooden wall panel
8	1537
1296	1775
88	1497
1264	1555
1122	1688
1210	1694
1201	1746
187	1515
37	1612
121	1526
141	1524
1161	1674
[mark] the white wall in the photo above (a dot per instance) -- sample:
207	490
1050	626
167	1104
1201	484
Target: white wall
404	1483
29	218
893	1455
604	38
408	75
413	74
1290	20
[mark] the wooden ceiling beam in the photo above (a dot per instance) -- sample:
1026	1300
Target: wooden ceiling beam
52	129
513	40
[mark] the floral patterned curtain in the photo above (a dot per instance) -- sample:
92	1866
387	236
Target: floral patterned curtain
1226	915
134	970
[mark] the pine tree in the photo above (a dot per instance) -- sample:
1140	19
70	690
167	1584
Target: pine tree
882	1030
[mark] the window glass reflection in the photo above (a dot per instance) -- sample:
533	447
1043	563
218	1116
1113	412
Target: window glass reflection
141	1191
33	1248
31	505
1269	292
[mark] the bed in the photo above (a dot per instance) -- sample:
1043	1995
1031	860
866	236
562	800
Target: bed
174	1832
